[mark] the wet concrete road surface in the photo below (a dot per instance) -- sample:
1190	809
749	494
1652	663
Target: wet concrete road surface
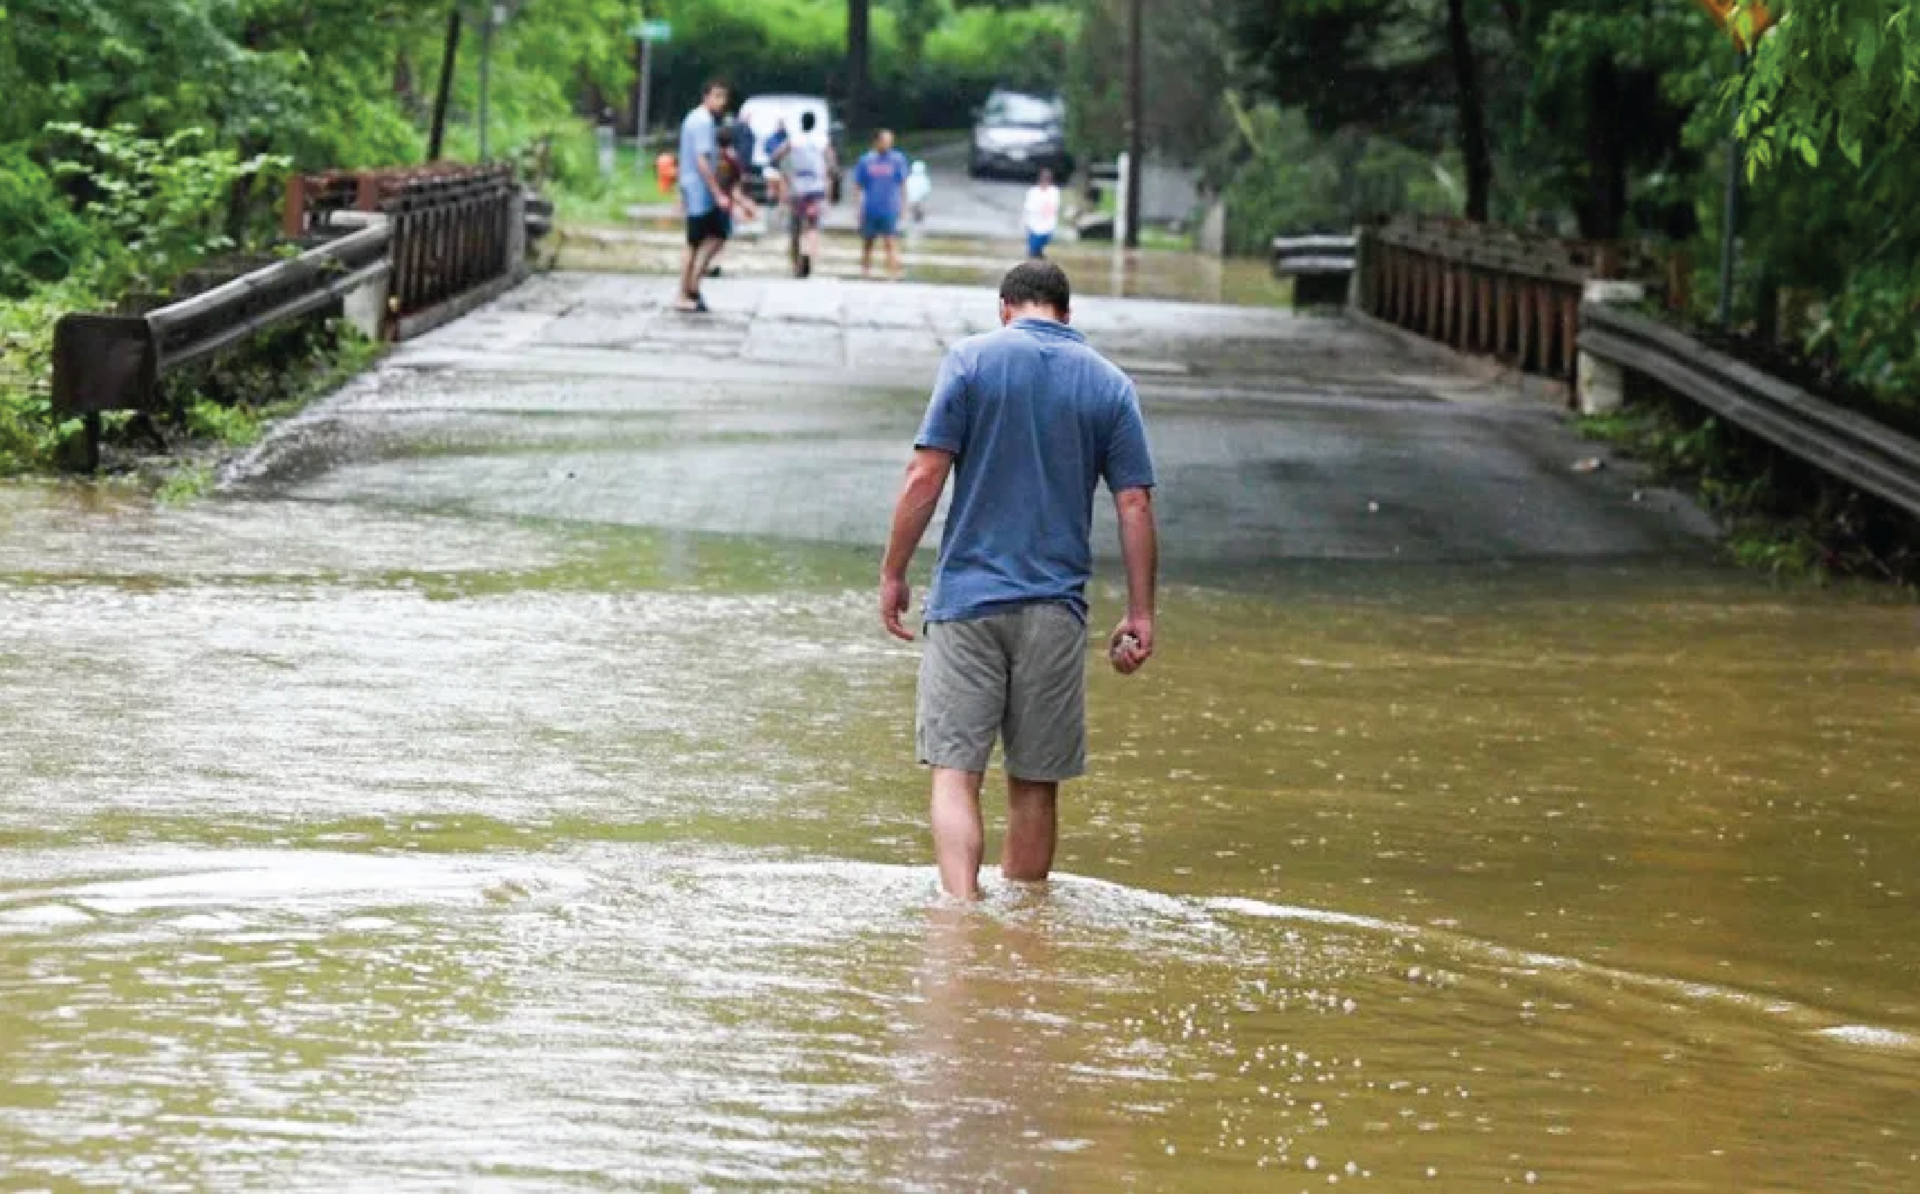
503	784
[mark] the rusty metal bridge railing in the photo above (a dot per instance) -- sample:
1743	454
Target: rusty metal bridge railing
1482	289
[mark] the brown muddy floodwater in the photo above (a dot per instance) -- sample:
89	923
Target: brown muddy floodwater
357	850
507	786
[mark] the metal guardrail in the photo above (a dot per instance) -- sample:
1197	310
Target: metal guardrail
1846	445
441	239
1483	289
115	362
1321	267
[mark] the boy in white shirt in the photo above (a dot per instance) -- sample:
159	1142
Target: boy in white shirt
1042	214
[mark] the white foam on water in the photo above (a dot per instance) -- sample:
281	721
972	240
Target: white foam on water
40	917
1319	916
1870	1037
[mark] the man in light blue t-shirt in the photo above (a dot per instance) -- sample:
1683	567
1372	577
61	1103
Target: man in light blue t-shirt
707	203
882	178
1029	420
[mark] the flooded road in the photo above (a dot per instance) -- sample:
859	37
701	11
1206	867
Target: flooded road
503	784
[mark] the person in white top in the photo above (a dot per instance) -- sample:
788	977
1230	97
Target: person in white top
919	187
809	160
1042	214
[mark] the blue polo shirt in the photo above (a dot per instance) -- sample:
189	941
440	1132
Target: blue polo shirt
1035	419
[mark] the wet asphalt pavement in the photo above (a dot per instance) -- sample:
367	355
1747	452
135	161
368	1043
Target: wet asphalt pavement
789	410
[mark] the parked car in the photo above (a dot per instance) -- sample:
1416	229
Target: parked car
764	114
1019	134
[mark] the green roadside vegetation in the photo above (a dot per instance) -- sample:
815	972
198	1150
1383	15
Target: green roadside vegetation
1781	515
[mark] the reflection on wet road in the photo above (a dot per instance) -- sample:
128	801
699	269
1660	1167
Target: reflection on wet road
502	785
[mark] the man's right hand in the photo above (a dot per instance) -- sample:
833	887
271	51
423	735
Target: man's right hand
1131	645
895	597
723	202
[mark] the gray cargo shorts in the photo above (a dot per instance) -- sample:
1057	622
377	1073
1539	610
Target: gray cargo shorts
1020	676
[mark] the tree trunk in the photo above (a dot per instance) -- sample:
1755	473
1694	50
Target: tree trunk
1473	113
859	15
1605	214
437	139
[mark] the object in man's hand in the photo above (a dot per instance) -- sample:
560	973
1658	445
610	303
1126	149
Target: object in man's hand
1128	642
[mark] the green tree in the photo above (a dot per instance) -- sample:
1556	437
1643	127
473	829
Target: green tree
1831	72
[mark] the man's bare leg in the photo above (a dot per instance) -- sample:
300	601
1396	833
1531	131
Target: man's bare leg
893	258
1032	829
703	261
958	838
689	278
866	258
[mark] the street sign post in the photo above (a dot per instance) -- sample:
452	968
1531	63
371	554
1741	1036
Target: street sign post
646	33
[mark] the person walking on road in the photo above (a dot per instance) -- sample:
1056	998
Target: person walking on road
809	163
882	178
707	203
1028	421
1041	214
919	190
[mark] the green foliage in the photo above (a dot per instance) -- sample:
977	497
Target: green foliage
1293	181
29	431
1190	60
158	206
1781	515
41	240
977	48
1832	73
185	484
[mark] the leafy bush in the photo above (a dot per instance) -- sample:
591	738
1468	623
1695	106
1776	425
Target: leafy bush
160	205
1291	181
41	240
29	434
977	49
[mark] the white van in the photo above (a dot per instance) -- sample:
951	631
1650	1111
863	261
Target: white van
764	114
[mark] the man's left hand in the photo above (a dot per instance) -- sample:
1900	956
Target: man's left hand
895	596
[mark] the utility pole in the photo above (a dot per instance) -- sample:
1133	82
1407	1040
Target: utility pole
1136	118
489	17
641	102
859	13
438	138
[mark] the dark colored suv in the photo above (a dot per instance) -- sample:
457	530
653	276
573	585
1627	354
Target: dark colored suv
1019	134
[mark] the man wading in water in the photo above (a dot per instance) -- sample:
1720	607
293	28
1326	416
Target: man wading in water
1029	420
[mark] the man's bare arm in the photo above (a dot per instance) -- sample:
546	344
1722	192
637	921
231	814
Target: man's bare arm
1140	549
919	497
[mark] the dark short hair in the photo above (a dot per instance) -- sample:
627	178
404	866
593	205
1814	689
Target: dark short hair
1037	282
724	135
808	120
712	86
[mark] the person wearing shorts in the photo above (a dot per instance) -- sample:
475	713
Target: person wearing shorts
705	200
882	178
808	159
1028	421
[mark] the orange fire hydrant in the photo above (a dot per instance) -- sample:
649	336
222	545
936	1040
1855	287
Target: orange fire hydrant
666	168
